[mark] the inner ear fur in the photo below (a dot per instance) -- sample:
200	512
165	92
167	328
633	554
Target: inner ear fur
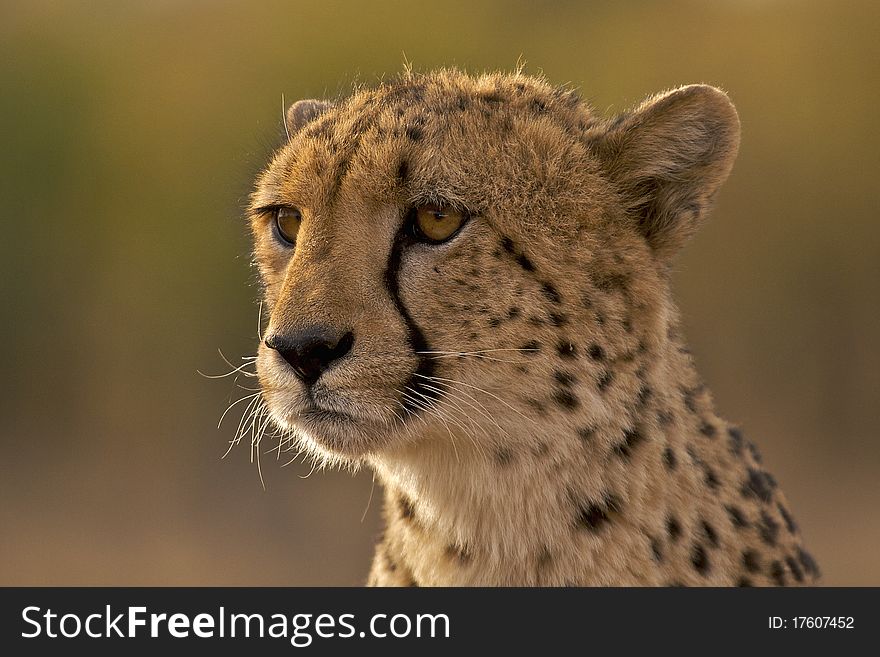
667	159
303	112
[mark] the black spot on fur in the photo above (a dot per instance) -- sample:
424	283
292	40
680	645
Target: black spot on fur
619	120
494	322
631	438
757	485
593	516
558	319
736	517
566	349
710	533
609	281
402	171
670	459
596	352
790	524
808	562
656	550
536	406
507	244
753	450
565	398
524	262
539	106
544	557
586	433
513	312
751	561
711	478
414	132
777	572
795	569
743	582
458	553
673	528
564	378
665	417
531	347
769	528
644	395
708	429
406	508
735	440
550	292
700	559
604	380
491	97
689	401
503	456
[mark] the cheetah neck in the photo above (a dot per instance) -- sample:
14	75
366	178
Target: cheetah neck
552	479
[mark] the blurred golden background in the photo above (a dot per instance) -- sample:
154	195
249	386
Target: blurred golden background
131	133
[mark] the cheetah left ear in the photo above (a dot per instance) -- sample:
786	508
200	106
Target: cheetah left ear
303	112
668	158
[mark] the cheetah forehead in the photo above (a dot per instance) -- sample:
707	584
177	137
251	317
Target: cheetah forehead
505	143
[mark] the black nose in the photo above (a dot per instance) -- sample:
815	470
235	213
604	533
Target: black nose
311	351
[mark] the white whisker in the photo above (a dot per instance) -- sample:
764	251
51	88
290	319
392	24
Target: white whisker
237	401
478	389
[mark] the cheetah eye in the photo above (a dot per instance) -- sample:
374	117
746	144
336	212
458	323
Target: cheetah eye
287	221
436	224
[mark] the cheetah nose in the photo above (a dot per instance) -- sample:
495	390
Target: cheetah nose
310	352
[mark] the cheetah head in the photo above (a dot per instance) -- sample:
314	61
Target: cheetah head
435	250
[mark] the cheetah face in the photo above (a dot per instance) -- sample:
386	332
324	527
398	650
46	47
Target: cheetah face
426	248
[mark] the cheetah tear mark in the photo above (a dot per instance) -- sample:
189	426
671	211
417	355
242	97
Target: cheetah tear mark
418	383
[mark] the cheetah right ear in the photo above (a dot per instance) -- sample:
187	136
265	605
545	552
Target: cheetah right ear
668	158
303	112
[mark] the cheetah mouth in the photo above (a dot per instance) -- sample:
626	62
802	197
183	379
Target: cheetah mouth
316	414
335	433
326	421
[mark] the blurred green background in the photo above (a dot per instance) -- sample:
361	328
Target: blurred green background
130	133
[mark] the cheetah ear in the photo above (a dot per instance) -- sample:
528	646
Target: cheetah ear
303	112
668	158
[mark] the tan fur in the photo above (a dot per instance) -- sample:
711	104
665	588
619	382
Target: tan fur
565	438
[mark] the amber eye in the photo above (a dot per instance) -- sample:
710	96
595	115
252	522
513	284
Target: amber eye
432	223
287	221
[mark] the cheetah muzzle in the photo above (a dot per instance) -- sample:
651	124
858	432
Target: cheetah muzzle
467	289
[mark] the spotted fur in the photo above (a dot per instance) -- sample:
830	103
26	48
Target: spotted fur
523	391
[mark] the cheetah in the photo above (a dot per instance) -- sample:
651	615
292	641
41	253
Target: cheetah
467	286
